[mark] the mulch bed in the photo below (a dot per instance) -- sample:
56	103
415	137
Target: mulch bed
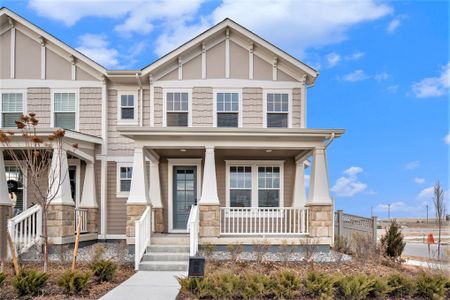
53	291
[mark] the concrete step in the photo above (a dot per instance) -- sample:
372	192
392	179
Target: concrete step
163	266
166	256
168	248
170	239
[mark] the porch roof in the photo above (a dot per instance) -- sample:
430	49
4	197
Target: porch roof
69	134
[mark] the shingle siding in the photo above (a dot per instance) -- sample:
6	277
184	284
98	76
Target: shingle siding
202	107
91	111
252	107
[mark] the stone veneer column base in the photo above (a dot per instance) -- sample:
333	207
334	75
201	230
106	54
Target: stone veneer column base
320	220
134	212
159	219
209	220
92	220
61	221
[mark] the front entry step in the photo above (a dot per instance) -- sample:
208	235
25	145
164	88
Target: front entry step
168	248
158	256
163	266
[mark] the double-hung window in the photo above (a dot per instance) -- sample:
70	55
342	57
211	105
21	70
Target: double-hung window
127	107
12	108
177	109
227	106
125	173
65	110
255	183
277	110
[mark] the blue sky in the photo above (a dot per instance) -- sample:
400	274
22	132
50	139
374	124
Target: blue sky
384	76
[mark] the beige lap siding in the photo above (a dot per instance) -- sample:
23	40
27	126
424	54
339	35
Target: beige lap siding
296	108
91	111
117	144
202	107
38	101
252	107
98	189
116	208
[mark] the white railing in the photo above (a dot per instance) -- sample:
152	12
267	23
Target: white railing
263	221
193	226
26	228
142	232
83	214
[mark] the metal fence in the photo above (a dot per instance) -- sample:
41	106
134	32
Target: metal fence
347	226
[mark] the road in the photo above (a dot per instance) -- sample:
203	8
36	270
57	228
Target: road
421	250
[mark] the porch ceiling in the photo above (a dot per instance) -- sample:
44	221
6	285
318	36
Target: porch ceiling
246	154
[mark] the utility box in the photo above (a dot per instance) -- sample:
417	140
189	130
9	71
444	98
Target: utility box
196	266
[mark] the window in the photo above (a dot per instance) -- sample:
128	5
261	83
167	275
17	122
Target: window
255	183
127	107
227	109
125	174
240	186
177	107
268	186
277	109
12	108
64	110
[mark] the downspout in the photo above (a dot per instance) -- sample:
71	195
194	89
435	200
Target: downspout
330	140
141	101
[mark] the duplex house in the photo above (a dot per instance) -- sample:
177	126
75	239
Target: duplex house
211	138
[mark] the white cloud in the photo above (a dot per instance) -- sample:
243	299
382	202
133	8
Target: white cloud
447	139
398	206
307	180
96	47
392	88
412	165
395	23
381	76
426	194
348	185
357	75
333	58
355	56
433	86
419	180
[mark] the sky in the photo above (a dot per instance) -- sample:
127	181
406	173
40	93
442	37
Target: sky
384	77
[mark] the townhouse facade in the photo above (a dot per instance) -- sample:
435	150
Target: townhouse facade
218	124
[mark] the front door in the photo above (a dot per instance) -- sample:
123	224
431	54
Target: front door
184	194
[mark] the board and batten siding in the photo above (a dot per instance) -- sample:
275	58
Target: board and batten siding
116	208
91	111
202	107
117	144
252	107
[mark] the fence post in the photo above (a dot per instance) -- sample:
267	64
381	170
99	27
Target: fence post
375	224
340	223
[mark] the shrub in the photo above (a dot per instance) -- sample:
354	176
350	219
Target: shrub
355	287
199	287
287	285
227	286
74	282
208	250
260	250
431	286
379	287
400	286
103	269
364	248
392	242
257	286
319	285
29	282
235	250
342	245
2	278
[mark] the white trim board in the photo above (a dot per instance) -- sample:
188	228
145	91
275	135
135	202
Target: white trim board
164	110
173	162
135	120
225	90
77	106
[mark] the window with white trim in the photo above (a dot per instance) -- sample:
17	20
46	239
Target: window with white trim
277	110
64	110
255	184
227	106
125	174
12	108
127	107
177	109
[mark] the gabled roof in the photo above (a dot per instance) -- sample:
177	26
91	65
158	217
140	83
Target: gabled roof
47	36
228	23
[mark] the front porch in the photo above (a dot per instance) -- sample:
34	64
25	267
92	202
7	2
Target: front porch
246	186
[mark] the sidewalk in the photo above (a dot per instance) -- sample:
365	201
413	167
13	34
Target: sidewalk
147	285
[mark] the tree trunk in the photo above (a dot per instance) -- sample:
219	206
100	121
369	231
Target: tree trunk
439	239
45	229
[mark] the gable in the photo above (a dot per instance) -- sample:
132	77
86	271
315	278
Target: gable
5	54
28	57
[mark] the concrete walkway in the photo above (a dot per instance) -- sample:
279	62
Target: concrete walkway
147	285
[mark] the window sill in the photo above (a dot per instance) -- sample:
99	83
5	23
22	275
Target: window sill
122	194
127	122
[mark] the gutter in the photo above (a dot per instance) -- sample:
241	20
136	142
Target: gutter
330	140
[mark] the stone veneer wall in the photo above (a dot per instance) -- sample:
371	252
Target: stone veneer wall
320	220
134	212
209	220
61	221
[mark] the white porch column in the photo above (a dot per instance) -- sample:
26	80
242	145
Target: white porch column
209	185
89	196
319	192
4	194
58	179
139	180
155	186
299	200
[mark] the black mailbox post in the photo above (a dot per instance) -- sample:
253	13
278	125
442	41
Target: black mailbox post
196	266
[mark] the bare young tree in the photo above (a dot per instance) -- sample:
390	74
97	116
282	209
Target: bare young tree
38	156
439	207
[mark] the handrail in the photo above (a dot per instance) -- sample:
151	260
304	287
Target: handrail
193	226
142	232
83	213
25	229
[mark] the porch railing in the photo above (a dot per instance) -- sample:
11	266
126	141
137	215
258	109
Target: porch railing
142	233
26	228
83	214
193	226
263	221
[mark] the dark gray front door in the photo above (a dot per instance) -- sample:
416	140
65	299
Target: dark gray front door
184	194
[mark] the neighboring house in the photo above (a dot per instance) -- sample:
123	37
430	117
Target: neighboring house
219	121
